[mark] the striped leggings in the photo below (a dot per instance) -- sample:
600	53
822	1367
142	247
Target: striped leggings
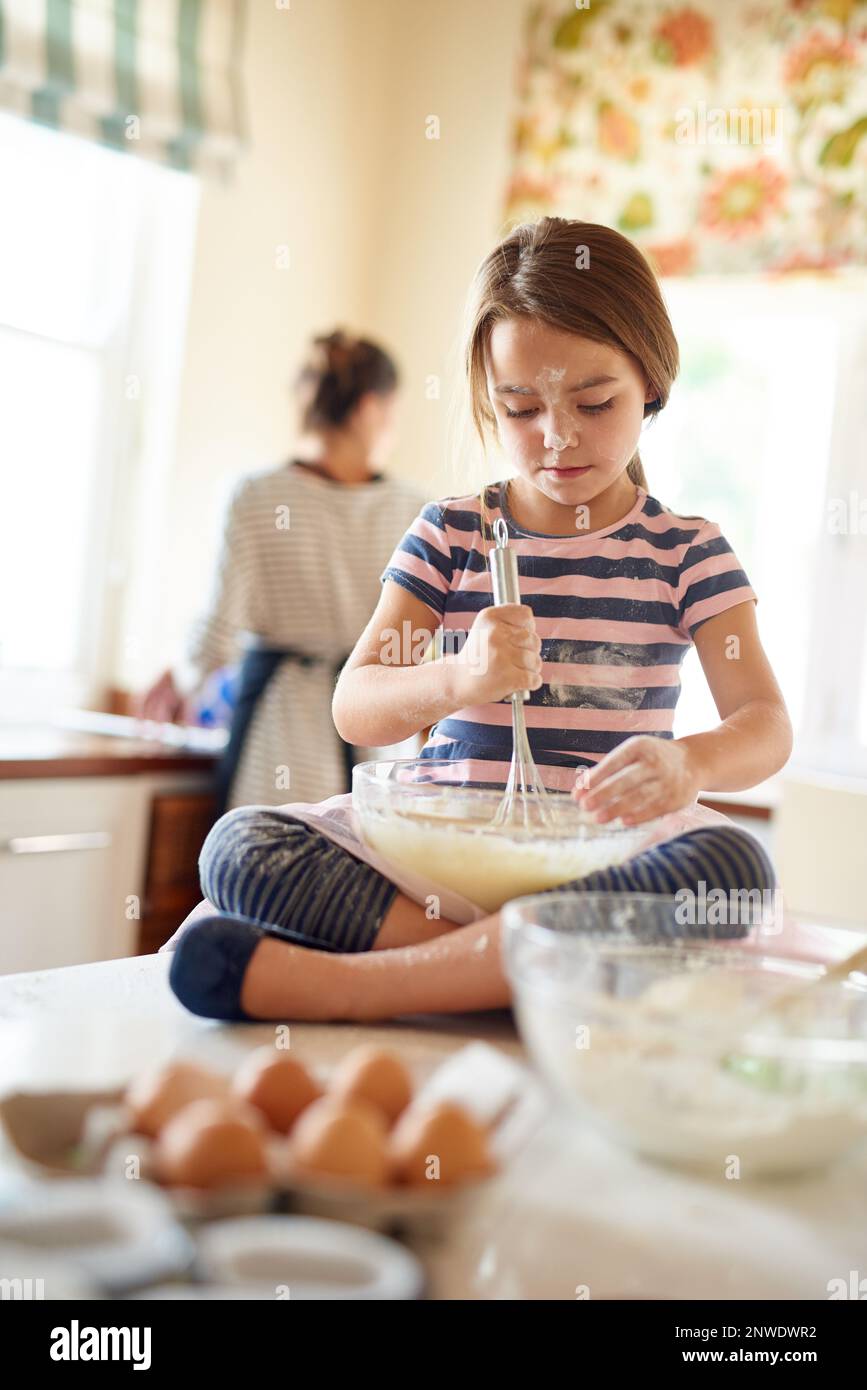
264	865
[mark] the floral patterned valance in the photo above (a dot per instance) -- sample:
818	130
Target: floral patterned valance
722	137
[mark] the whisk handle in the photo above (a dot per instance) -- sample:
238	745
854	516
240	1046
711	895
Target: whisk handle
504	575
504	582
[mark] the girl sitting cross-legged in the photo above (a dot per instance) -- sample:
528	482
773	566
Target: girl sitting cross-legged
565	359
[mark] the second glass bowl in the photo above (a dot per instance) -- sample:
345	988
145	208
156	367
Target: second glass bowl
666	1045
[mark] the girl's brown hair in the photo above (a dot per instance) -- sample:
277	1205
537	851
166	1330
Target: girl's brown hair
579	277
336	373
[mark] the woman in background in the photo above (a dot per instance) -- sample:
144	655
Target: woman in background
303	547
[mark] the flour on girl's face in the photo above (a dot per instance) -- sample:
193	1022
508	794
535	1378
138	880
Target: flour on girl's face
563	433
552	378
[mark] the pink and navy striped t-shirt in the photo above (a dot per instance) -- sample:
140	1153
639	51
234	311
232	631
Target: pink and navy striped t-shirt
616	609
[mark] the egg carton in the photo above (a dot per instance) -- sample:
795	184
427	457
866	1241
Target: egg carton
86	1133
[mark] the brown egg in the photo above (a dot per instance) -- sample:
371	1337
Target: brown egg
212	1144
340	1139
157	1096
440	1144
374	1075
278	1086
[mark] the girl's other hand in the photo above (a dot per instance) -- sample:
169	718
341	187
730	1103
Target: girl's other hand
501	655
641	778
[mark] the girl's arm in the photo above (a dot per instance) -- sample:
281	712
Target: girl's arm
754	739
387	692
647	776
383	696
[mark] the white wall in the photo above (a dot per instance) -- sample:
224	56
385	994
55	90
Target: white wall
440	204
384	229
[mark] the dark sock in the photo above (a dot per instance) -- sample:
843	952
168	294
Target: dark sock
211	958
209	964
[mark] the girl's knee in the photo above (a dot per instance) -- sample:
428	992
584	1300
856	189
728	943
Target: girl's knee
221	848
265	866
248	835
744	862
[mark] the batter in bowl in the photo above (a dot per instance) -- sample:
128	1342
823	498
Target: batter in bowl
488	864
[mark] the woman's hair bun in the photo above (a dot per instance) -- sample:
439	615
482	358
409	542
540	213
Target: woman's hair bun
335	354
338	371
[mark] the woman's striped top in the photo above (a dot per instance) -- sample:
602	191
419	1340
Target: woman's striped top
298	567
616	609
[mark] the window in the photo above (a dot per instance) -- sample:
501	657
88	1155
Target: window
765	433
95	262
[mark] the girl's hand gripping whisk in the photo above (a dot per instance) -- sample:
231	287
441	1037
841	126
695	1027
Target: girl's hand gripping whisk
525	801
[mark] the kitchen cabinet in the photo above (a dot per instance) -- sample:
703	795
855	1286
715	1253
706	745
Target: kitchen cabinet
81	816
179	822
73	867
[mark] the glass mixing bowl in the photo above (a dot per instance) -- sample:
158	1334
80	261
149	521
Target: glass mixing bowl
426	816
663	1043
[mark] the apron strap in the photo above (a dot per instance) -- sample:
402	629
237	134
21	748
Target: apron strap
257	668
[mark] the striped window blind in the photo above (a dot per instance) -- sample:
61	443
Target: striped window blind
157	78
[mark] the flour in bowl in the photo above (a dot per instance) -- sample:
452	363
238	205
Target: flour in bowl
689	1097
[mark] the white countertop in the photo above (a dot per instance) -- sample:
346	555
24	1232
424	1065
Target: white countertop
571	1210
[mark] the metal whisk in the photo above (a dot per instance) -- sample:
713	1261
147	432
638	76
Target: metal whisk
525	800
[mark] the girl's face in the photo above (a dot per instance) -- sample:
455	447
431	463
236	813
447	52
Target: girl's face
569	411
